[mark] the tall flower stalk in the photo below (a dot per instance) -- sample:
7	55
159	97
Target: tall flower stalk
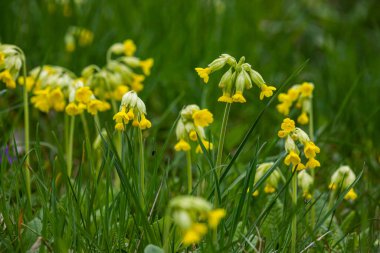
234	81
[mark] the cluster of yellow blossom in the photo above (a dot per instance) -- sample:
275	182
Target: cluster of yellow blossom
342	178
292	134
300	95
236	79
305	181
10	65
77	35
58	89
133	109
191	125
271	182
194	216
118	76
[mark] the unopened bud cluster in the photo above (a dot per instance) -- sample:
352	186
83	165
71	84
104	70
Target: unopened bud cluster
236	79
190	126
342	178
299	95
293	134
194	216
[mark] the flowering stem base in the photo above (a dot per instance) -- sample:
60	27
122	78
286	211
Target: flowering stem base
142	168
70	146
26	123
294	219
189	174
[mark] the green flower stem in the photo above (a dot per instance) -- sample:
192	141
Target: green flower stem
294	219
222	135
142	168
26	129
189	174
70	146
88	141
311	134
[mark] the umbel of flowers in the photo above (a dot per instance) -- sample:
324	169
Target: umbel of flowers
271	182
10	65
191	124
293	134
121	73
236	79
342	178
299	95
132	109
77	35
194	216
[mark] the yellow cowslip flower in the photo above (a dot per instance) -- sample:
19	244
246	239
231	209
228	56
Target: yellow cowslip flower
236	79
303	119
313	163
57	99
300	95
208	146
292	158
266	91
146	65
351	195
40	100
204	73
83	95
310	149
85	37
30	82
96	105
306	89
6	77
193	135
287	126
132	108
182	145
74	109
343	177
215	216
202	118
269	189
129	47
255	193
2	58
194	234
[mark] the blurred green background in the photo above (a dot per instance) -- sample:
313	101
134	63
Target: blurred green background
340	40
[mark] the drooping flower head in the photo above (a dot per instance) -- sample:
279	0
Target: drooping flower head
77	35
132	109
300	95
11	59
291	134
271	182
191	125
342	178
194	216
236	79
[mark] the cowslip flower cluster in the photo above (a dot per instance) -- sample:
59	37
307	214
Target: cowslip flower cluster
342	178
271	182
291	133
10	65
191	124
300	95
119	75
236	79
77	35
194	216
133	109
305	181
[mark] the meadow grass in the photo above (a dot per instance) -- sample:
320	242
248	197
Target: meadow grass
100	206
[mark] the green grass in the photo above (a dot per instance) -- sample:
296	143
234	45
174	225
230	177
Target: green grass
334	45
